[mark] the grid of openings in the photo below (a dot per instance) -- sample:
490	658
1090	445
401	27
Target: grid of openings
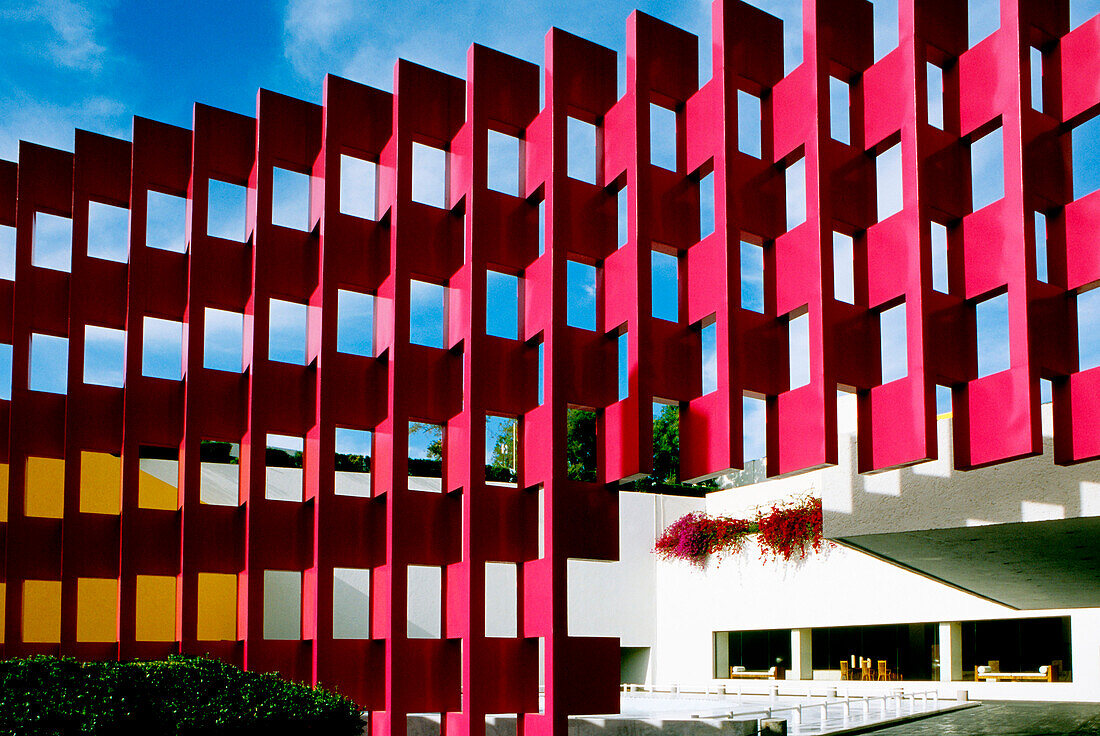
326	473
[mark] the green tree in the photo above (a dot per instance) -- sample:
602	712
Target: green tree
580	445
666	447
434	433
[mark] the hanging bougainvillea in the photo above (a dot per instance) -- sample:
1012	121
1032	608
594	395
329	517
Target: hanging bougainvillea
786	530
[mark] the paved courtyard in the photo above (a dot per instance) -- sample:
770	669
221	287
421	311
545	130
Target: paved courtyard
1001	718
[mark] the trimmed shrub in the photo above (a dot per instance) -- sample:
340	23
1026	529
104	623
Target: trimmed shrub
182	695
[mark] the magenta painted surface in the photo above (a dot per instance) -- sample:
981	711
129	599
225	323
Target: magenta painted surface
996	418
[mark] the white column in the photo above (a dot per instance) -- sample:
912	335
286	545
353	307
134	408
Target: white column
951	666
801	655
721	655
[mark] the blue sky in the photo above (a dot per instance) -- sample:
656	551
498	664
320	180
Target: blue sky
94	64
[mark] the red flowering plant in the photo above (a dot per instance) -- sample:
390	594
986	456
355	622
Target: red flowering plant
791	529
695	536
787	530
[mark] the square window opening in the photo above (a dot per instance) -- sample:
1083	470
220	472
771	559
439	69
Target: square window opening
284	476
104	356
282	604
219	472
706	206
622	351
752	277
501	599
581	295
940	270
541	361
353	455
504	163
934	80
52	246
158	477
5	371
991	317
1041	264
580	442
844	268
840	125
49	364
542	226
166	222
581	153
100	483
709	338
162	349
798	342
358	187
429	175
754	417
290	199
987	175
44	487
622	217
665	278
502	305
350	603
749	124
288	330
983	19
1036	59
354	323
943	400
424	604
795	180
108	232
426	457
666	443
217	607
501	449
155	604
427	314
662	137
227	213
1085	145
893	342
41	611
888	180
96	610
1088	329
223	346
7	253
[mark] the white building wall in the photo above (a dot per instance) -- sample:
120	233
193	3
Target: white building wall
675	608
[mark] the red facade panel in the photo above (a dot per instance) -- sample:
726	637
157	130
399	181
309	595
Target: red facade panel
545	518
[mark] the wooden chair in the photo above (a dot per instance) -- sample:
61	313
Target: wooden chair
844	674
866	673
883	673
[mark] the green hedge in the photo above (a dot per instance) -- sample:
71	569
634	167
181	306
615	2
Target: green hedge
183	695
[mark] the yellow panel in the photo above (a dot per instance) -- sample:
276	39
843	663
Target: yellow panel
156	608
3	501
153	493
96	609
217	607
100	483
45	487
42	611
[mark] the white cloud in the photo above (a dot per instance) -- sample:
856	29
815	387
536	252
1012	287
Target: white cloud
52	124
70	41
312	29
